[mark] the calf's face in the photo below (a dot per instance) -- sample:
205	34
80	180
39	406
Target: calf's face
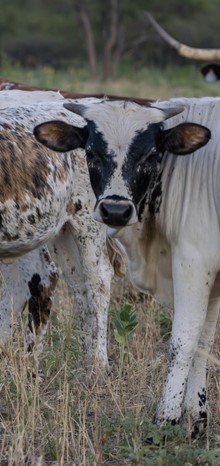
124	143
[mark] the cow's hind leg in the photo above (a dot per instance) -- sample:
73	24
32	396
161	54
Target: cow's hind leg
41	282
31	280
195	402
14	296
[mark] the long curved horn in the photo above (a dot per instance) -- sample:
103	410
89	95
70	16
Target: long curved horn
182	49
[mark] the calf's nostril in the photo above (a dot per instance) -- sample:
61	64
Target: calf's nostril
128	213
104	212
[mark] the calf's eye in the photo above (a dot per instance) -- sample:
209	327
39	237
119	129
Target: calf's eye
148	157
152	156
89	154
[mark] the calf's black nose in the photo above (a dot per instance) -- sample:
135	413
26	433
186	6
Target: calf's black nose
116	214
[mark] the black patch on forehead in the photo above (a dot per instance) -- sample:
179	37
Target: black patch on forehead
100	163
143	141
96	140
140	168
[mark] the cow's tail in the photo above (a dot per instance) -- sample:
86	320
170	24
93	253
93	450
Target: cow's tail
117	257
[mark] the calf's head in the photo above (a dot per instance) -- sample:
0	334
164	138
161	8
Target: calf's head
124	144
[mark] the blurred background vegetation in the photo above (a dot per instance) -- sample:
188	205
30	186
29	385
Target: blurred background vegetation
103	37
107	46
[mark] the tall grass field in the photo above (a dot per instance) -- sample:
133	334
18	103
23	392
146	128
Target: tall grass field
65	419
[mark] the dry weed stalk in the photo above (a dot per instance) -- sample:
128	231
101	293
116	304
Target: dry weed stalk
63	421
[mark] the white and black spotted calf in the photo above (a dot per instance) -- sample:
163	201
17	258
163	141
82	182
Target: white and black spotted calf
47	197
165	211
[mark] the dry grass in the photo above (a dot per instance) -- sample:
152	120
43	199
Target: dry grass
148	82
58	420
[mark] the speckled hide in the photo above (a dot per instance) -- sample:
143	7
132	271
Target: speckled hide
46	197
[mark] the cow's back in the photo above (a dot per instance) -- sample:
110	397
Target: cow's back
36	183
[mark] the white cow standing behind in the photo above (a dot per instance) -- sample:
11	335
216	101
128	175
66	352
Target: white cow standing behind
47	197
165	211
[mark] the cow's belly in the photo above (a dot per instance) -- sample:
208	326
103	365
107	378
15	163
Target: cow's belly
154	277
149	263
149	260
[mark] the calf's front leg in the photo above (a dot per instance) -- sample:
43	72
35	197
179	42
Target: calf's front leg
87	270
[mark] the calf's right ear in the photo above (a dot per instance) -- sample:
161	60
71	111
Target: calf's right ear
60	136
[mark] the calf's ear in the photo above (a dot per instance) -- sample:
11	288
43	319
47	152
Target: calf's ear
184	138
60	136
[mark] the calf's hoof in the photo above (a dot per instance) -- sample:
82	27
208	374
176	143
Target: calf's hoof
197	427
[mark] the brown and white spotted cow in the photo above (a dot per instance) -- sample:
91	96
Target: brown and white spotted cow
164	210
32	279
47	197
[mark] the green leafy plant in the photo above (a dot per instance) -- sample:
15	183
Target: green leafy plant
125	322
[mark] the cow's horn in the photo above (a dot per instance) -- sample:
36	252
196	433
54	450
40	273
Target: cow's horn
79	109
171	112
183	49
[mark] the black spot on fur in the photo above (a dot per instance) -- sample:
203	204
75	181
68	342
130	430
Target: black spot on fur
202	398
39	305
33	285
1	220
31	219
29	234
78	205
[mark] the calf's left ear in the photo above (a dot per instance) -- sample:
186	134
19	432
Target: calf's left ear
60	136
184	138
